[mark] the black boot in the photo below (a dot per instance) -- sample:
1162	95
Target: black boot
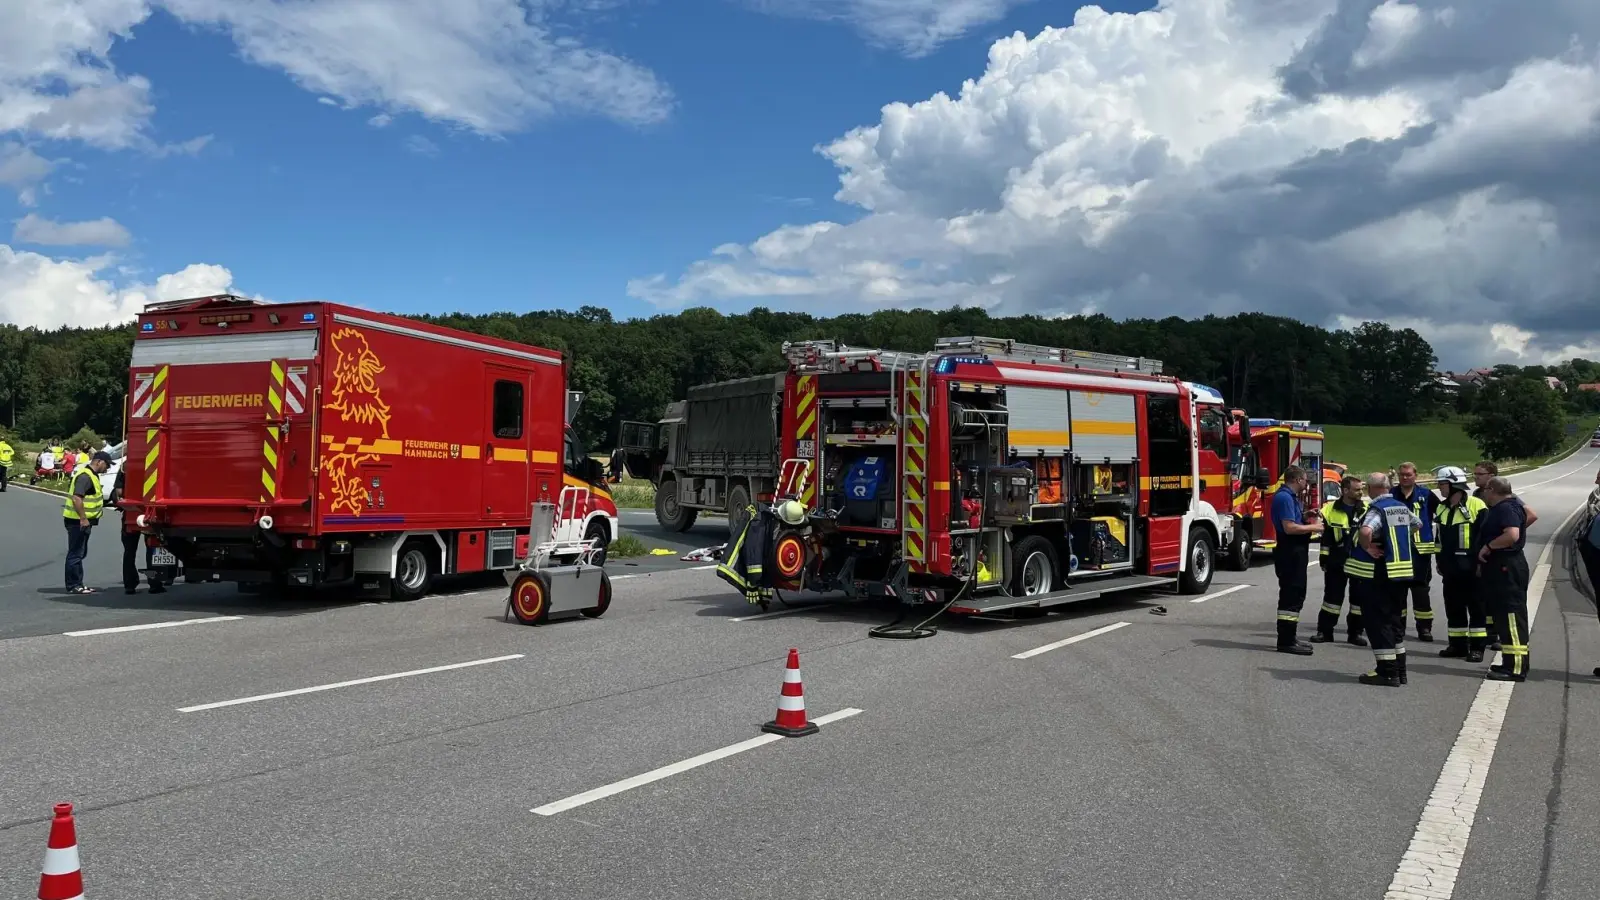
1475	649
1425	632
1456	650
1400	667
1356	630
1288	642
1321	637
1383	675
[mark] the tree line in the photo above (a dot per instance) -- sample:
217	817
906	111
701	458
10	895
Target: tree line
54	382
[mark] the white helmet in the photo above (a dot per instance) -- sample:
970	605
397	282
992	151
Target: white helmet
791	512
1451	475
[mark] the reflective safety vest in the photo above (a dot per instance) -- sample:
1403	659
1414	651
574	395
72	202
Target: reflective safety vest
1457	526
7	454
1396	537
93	502
1424	506
1340	527
57	451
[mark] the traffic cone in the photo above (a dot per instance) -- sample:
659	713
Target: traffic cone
62	880
791	720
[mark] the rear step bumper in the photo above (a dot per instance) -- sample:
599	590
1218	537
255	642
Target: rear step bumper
1092	590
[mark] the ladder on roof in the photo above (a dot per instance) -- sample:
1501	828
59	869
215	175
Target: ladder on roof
1005	348
831	357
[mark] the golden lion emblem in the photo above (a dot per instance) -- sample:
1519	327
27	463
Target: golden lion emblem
357	400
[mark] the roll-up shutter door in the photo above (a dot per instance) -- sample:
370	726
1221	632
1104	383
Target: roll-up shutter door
1104	427
1038	421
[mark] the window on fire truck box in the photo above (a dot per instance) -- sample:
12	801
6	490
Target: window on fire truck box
507	409
1283	452
572	454
1214	432
1170	477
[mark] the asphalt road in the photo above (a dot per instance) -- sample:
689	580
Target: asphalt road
1174	756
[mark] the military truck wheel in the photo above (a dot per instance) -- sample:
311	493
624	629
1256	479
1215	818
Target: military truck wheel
413	571
672	515
738	510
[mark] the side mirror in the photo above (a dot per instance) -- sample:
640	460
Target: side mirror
594	471
1263	479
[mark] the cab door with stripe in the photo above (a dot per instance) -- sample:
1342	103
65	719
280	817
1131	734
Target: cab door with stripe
505	450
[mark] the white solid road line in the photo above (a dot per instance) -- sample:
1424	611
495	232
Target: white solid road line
1222	593
1071	640
694	762
1431	864
151	625
1523	487
328	687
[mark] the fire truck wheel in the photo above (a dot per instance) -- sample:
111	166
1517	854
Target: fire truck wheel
413	572
672	515
1239	552
601	535
1202	562
1037	569
738	510
595	612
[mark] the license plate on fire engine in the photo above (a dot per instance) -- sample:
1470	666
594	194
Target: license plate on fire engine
162	557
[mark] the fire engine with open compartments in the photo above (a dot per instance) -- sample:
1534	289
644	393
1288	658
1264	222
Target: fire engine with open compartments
296	444
996	475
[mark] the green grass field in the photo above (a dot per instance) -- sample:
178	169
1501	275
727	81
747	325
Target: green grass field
1378	448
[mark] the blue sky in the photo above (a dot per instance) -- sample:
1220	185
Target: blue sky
1429	163
302	199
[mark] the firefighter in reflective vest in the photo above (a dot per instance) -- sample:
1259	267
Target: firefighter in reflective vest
1340	519
1424	506
1380	568
7	456
1457	518
80	512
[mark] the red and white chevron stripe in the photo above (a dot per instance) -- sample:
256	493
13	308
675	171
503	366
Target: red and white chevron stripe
143	394
294	389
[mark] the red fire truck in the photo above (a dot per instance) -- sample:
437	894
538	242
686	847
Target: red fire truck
298	444
994	475
1260	449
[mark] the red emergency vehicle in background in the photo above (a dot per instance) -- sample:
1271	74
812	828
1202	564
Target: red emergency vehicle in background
298	444
1260	449
996	475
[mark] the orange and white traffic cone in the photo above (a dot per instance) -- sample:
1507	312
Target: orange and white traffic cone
791	720
62	879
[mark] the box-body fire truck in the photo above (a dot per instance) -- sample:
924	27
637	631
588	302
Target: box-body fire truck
298	444
994	475
1260	449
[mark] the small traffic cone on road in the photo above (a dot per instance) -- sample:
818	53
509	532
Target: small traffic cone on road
791	720
62	880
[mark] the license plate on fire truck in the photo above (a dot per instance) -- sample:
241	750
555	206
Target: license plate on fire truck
160	556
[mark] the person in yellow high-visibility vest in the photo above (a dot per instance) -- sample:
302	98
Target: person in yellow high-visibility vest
80	512
8	455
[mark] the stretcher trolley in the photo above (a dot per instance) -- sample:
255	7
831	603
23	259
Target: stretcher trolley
556	578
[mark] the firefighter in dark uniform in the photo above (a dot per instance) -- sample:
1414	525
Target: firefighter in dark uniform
1380	569
1481	473
1340	519
1504	570
1457	519
1291	558
1424	506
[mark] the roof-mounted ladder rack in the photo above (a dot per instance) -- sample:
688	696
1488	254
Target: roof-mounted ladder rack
1004	348
827	356
213	300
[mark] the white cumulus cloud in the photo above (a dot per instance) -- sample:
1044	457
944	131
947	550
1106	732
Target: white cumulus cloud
914	27
492	66
1432	161
56	76
102	232
38	291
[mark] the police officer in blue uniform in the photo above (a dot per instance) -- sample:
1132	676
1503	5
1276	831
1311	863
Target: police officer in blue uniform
1380	569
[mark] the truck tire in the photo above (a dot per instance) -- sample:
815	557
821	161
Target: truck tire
738	510
672	515
413	571
1240	550
1196	578
600	533
1037	568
